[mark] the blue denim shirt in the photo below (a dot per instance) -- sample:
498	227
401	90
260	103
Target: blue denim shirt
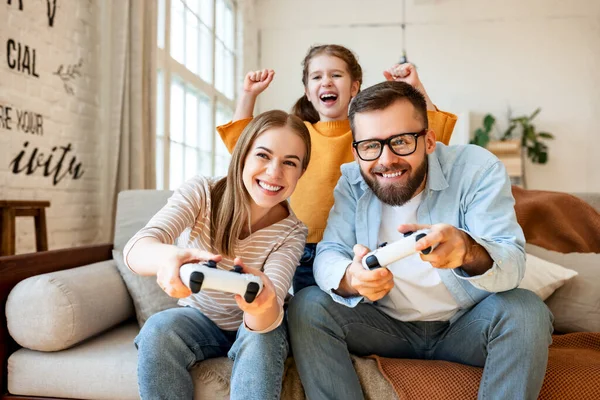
467	187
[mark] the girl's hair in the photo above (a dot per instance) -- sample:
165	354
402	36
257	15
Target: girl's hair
303	108
229	197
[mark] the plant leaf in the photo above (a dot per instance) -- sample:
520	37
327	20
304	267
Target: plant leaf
488	122
546	135
535	113
509	132
543	157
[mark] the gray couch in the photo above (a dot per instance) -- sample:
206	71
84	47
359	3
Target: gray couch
78	339
75	326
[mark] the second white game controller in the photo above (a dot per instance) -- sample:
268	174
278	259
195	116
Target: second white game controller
392	252
207	276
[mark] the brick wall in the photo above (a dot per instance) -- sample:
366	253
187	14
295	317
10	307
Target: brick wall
53	85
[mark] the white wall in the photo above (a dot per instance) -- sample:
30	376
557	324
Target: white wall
473	56
70	115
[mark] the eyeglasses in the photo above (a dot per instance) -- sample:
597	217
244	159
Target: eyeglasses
403	144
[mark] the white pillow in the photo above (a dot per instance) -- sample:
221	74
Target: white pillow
543	277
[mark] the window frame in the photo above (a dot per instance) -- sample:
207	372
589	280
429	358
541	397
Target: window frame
171	70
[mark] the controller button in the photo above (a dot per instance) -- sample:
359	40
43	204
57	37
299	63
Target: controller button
419	237
408	233
372	262
211	264
237	268
196	280
382	245
251	292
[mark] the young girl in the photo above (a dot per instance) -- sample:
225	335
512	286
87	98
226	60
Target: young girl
331	77
242	219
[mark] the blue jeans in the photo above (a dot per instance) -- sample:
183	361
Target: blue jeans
172	341
304	273
507	334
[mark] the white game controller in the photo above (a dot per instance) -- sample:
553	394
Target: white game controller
206	276
389	253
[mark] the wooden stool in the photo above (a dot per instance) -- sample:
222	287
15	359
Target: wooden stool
9	210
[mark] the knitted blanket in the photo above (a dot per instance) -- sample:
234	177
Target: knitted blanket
557	221
573	372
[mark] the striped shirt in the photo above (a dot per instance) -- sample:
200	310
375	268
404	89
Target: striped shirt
275	250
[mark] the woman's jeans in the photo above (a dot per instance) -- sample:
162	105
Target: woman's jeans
171	342
304	273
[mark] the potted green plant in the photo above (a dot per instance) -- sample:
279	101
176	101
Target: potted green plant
512	148
531	140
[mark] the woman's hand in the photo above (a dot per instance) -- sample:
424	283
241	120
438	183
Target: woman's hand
265	302
167	275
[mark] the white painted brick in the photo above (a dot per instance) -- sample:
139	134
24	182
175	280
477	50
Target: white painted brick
76	215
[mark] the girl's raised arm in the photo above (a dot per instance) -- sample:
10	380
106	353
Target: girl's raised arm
255	83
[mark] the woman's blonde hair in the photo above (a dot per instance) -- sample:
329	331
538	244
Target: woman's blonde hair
229	197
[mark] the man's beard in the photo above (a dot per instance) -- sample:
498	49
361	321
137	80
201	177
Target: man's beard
397	194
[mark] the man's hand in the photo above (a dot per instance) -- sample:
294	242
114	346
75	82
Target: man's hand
455	248
256	82
372	285
408	73
167	276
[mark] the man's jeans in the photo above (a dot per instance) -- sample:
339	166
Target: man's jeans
172	341
304	276
506	333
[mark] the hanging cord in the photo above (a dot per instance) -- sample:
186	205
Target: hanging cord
403	58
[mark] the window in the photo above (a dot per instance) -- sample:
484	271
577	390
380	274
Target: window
195	88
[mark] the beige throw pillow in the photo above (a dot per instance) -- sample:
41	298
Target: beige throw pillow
148	297
543	277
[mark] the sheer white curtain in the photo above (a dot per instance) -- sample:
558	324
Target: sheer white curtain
129	47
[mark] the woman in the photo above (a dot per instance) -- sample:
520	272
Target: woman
243	219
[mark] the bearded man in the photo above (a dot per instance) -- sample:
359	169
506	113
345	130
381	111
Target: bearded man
458	303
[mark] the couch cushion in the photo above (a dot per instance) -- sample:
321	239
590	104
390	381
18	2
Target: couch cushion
54	311
101	368
134	210
148	297
576	305
105	367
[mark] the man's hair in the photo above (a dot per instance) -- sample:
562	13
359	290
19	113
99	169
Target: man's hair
383	95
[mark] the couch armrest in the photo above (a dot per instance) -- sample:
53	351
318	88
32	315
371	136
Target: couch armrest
14	269
57	310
